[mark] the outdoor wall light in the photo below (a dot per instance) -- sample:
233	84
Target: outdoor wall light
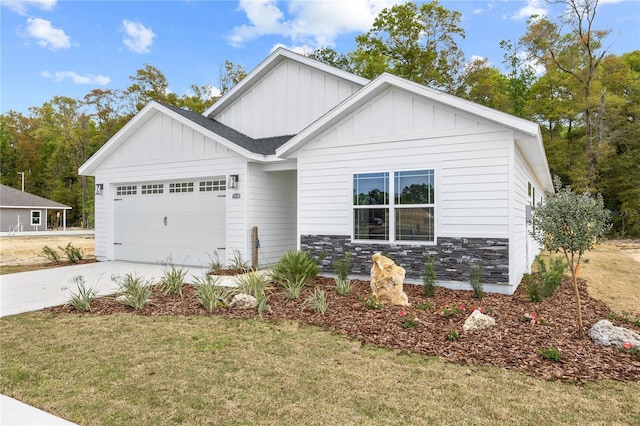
233	181
99	188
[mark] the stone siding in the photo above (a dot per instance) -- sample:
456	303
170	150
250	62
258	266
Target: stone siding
452	256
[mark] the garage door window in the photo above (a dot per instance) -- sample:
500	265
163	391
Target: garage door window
180	187
154	188
126	190
213	185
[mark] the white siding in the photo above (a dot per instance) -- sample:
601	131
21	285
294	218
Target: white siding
163	150
286	101
396	131
272	208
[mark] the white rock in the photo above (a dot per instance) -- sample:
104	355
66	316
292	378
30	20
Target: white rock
478	321
243	301
606	334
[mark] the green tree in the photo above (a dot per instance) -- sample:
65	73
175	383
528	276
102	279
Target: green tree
573	224
230	75
414	42
150	84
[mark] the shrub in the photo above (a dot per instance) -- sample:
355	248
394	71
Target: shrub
215	266
51	254
342	266
552	353
370	302
475	277
424	306
73	254
81	301
343	286
429	278
257	285
453	335
172	280
407	321
210	293
133	291
295	269
543	284
292	289
239	264
317	301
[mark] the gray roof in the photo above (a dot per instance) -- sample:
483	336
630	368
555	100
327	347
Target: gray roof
264	146
10	197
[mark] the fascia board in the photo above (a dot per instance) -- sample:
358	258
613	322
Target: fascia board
278	55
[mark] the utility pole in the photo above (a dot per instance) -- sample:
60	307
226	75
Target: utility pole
22	174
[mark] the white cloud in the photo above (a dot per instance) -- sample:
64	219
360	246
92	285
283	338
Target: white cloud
488	8
21	6
47	35
532	7
76	78
139	38
308	24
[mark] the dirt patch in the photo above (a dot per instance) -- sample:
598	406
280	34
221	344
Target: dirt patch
513	343
18	250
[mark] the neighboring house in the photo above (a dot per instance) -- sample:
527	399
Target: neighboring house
322	160
21	211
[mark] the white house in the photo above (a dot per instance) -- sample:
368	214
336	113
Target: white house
322	160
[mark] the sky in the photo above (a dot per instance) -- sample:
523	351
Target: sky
68	48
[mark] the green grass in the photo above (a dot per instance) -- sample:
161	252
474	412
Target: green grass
132	369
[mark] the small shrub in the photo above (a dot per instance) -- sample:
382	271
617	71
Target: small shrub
453	335
239	264
533	288
407	321
133	291
257	285
546	281
263	306
429	278
317	301
73	254
81	301
451	311
625	316
172	281
633	350
295	269
51	254
342	266
551	353
343	286
215	266
210	293
425	306
475	277
370	302
292	289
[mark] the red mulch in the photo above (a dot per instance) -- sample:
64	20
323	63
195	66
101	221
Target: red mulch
511	344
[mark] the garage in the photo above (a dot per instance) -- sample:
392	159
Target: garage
182	221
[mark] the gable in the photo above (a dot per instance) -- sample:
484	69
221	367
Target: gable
288	98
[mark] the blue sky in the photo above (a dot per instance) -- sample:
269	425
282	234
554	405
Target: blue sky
68	48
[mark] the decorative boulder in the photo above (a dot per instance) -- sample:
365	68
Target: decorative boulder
386	281
606	334
478	321
243	301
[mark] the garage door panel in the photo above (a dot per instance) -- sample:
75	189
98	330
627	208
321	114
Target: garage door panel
187	228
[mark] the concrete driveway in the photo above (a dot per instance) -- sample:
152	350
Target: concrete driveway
34	290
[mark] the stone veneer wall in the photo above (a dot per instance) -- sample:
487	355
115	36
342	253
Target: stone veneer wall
452	256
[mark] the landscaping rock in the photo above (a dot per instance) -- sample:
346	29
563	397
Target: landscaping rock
478	321
606	334
387	279
243	301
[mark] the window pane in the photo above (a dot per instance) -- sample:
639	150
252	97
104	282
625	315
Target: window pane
414	187
371	224
370	189
414	224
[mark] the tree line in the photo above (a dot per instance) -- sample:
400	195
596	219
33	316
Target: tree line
559	74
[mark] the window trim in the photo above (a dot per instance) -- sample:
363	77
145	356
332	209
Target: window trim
392	207
39	215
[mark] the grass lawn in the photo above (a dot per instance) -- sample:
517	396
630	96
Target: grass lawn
130	369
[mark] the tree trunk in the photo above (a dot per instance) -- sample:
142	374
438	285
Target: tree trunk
575	288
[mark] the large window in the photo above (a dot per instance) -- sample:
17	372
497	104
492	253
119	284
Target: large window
409	215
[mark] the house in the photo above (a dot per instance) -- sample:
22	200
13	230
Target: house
310	157
21	211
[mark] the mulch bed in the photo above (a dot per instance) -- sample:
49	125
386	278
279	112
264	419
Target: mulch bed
512	344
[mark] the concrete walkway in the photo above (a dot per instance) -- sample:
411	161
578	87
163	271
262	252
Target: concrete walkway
34	290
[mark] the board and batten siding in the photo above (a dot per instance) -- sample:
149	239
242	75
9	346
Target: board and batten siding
524	246
285	101
272	208
398	131
165	150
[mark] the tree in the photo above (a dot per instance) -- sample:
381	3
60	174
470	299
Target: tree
413	42
573	224
230	75
150	84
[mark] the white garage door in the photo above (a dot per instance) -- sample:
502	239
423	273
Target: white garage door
181	221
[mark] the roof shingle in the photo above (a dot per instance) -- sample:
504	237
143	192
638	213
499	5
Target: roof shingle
11	197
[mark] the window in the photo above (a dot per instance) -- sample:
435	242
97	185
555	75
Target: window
36	217
126	190
213	185
409	215
181	187
154	188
